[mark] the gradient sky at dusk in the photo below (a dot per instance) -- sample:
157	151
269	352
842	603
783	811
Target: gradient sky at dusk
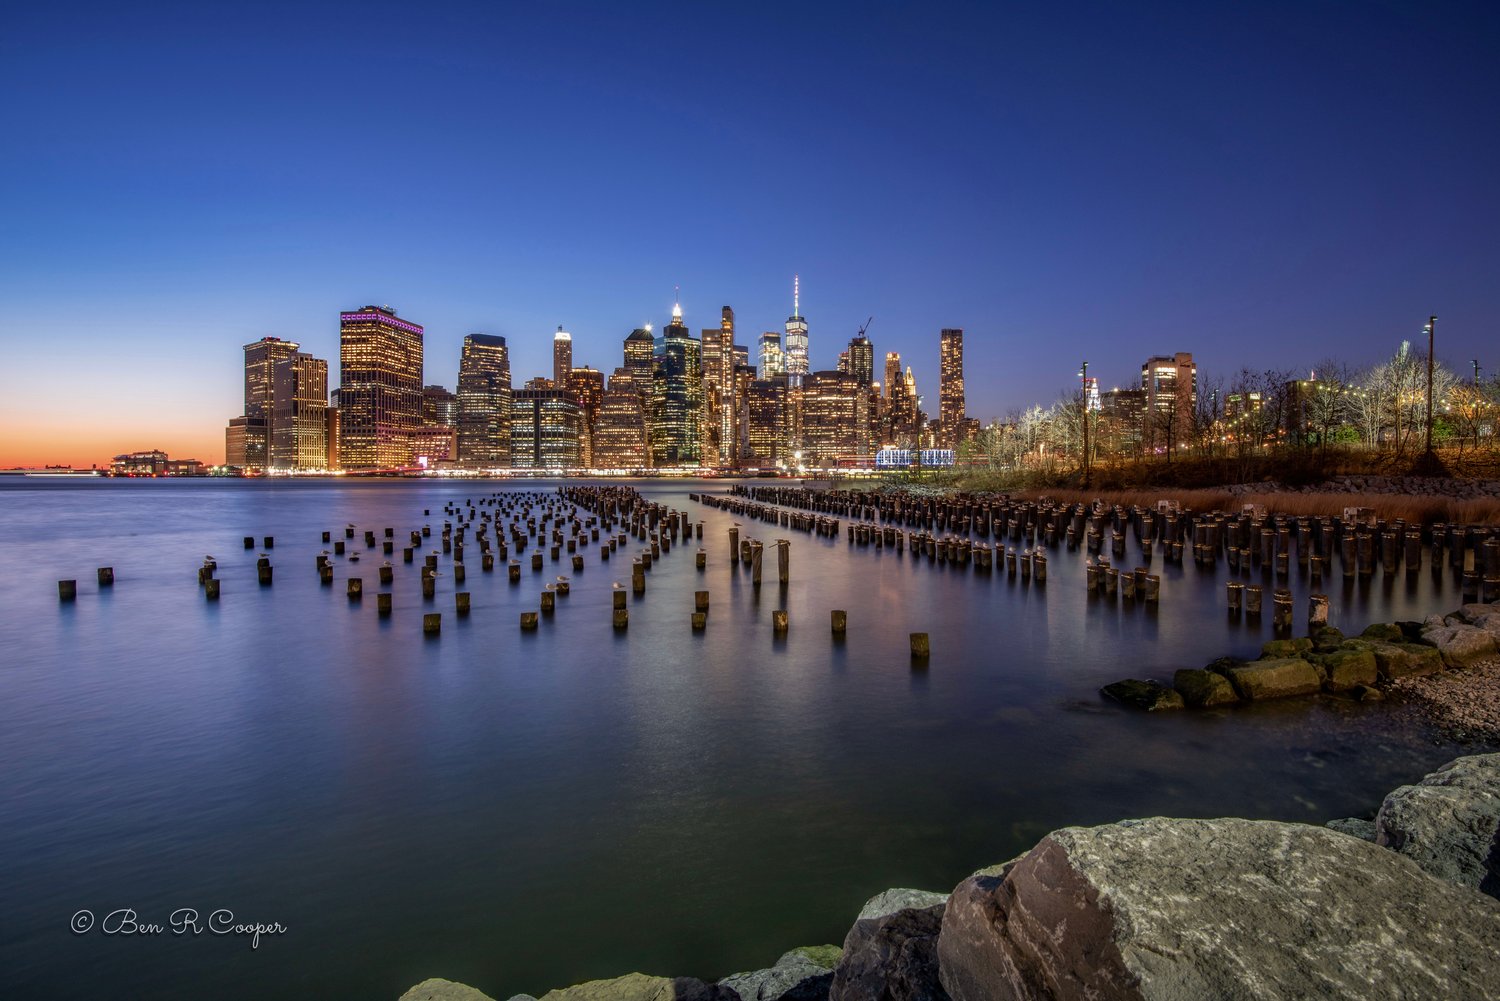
1262	184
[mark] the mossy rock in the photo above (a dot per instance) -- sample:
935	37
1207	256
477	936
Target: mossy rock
1280	649
1223	665
1147	695
1347	669
1387	632
1405	660
1326	639
1276	678
826	956
1200	688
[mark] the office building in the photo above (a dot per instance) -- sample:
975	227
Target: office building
380	388
951	404
766	424
620	430
676	397
562	357
587	386
1171	385
298	430
796	338
543	427
835	414
772	357
484	402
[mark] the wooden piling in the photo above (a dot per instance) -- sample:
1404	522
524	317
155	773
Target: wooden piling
383	603
700	620
355	588
921	648
1317	611
211	589
779	620
67	590
432	623
461	602
528	620
700	600
840	621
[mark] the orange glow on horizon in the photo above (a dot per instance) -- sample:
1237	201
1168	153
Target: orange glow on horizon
84	446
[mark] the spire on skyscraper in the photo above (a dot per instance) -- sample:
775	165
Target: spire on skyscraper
796	295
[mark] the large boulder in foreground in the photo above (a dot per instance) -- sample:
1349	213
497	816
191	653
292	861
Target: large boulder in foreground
642	987
1229	909
891	952
1449	823
1461	645
438	989
1275	679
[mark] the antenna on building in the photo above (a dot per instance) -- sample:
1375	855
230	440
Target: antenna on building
796	295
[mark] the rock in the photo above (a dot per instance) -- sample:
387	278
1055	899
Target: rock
1278	649
1223	664
438	989
1326	639
1232	909
899	899
1275	679
1366	693
1404	660
1449	823
1354	827
1203	688
1411	632
801	974
1387	632
1461	645
892	956
1147	695
641	987
1348	668
826	956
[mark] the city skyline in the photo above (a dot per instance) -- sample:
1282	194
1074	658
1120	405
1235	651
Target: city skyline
1279	182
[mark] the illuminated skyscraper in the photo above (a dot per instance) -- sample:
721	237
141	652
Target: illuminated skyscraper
862	360
796	337
719	406
892	372
835	412
587	386
380	388
439	407
543	428
484	402
620	431
299	413
772	357
640	352
677	397
951	387
562	356
765	417
261	358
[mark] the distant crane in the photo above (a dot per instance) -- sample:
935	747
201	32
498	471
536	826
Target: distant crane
866	326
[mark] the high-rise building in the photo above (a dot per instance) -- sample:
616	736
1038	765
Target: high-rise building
380	388
1122	421
744	375
951	403
796	337
439	407
834	415
543	428
677	397
484	402
892	371
587	386
741	355
902	414
261	358
238	436
1171	385
620	431
562	356
862	360
719	407
765	419
640	353
772	357
299	413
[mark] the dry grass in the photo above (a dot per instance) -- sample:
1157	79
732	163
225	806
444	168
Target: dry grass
1413	509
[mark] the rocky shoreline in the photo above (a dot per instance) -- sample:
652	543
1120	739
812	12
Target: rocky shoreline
1455	650
1406	905
1415	486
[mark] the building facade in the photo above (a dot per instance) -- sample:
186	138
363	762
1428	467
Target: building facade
951	402
544	428
484	402
380	388
677	397
1171	385
796	338
299	414
835	416
562	356
587	386
620	430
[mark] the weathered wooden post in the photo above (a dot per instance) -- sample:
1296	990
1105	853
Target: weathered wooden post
921	648
734	541
637	577
106	576
840	621
67	590
621	613
1317	611
779	620
1153	589
700	620
383	604
783	560
432	623
461	603
355	587
755	559
1281	609
700	601
1253	594
211	589
700	560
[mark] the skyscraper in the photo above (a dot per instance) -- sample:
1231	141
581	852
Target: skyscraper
677	397
439	407
587	386
261	358
765	417
951	387
796	337
562	357
484	402
862	360
772	357
299	413
620	431
380	388
640	350
544	427
719	406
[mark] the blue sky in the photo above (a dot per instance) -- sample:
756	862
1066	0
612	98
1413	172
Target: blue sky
1261	184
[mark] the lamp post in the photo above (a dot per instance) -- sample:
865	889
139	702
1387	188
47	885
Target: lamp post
1085	376
1431	327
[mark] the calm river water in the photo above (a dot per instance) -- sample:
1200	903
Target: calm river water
524	811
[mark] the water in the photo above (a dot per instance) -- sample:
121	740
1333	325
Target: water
528	810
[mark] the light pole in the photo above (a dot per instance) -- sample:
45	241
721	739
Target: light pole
1431	327
1085	376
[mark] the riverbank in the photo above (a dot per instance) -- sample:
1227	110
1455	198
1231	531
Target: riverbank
1405	906
1465	705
